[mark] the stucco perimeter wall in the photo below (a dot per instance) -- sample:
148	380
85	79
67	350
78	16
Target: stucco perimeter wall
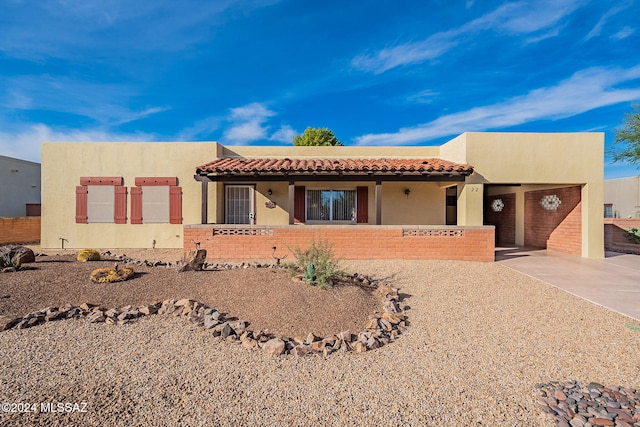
555	159
241	243
64	163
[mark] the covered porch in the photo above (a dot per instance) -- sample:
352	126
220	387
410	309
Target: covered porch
365	207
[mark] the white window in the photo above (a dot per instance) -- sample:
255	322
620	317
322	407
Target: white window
608	210
331	205
100	203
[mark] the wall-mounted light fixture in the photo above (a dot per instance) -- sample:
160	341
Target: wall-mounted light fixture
407	192
551	202
269	192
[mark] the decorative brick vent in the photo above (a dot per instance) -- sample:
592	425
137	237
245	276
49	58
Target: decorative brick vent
243	232
432	233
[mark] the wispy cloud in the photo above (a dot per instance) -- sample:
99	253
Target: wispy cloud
584	91
597	29
200	130
68	29
422	97
285	134
24	141
104	103
523	17
249	123
623	33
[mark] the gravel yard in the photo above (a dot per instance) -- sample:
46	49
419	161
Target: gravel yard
481	338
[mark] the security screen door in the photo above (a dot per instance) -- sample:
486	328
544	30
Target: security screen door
239	204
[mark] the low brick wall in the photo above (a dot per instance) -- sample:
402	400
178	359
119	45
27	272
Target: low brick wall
615	236
234	243
19	230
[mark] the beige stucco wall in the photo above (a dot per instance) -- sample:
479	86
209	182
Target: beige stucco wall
328	152
64	163
624	195
20	185
424	205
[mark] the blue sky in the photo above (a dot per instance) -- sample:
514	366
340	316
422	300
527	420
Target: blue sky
259	71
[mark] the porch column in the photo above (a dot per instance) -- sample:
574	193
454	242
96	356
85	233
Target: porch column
291	202
204	203
470	204
592	200
378	202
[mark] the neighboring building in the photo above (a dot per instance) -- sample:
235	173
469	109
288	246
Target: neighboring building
454	201
20	189
622	197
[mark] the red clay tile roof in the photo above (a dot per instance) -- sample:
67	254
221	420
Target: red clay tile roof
304	166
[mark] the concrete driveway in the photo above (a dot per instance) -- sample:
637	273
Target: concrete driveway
613	282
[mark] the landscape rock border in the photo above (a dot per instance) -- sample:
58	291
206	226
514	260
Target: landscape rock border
380	329
572	405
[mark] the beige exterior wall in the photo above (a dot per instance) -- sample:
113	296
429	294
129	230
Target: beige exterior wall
64	163
624	195
328	152
424	205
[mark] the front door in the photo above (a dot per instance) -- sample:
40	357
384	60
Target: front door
239	204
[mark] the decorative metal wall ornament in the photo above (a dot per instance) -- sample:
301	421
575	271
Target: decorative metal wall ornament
497	205
550	202
270	204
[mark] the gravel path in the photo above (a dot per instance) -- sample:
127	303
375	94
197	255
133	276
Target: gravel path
482	337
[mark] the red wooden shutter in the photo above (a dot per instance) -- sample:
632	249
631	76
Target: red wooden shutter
81	204
175	205
362	208
298	204
136	205
120	202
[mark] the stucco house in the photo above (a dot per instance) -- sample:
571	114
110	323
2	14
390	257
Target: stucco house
20	189
454	201
622	197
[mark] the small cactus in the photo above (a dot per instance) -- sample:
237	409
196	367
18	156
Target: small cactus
88	255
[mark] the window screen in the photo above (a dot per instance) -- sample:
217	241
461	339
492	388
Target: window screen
155	204
100	203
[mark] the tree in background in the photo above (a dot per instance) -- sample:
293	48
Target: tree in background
315	137
627	140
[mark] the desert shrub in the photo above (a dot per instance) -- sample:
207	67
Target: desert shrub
325	264
633	234
110	275
88	255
